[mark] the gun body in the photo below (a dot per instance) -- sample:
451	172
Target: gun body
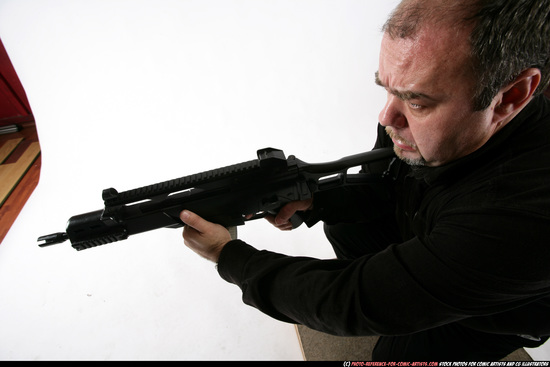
222	196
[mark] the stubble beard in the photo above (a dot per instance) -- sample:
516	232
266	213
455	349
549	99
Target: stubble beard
420	161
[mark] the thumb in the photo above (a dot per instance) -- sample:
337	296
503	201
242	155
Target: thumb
193	220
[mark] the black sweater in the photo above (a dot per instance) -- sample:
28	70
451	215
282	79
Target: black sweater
475	248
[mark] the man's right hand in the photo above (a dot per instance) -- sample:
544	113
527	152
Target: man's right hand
282	219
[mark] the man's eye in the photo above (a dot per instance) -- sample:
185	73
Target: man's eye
415	106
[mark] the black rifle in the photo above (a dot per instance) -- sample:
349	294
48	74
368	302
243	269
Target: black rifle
226	196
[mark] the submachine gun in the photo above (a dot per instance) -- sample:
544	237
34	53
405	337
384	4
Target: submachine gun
226	196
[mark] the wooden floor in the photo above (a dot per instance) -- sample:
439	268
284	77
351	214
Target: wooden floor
317	346
20	163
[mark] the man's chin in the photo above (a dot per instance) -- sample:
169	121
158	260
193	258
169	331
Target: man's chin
411	158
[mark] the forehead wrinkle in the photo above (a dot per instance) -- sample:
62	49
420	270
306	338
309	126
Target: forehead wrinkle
423	66
403	95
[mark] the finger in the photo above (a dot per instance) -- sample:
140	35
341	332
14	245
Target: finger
288	210
286	226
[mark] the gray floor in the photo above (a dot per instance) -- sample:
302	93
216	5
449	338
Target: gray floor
318	346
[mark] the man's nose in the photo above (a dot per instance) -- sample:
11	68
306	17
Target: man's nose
391	114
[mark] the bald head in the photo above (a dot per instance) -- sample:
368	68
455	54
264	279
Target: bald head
504	37
411	15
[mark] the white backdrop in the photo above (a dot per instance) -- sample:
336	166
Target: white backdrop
128	93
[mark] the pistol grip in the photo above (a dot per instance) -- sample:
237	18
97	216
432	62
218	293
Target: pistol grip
296	220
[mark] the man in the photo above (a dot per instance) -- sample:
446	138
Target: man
453	261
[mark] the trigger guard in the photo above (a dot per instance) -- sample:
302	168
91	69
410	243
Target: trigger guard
296	220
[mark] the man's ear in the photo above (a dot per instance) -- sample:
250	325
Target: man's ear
516	95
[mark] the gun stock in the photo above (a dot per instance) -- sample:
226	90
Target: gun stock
224	196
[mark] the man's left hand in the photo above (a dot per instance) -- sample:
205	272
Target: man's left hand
205	238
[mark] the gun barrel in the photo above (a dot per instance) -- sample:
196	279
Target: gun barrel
52	239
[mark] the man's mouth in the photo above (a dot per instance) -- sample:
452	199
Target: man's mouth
400	142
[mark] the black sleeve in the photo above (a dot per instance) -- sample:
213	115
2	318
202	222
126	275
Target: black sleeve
373	295
373	199
457	272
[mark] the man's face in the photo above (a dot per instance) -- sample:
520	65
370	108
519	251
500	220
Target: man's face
429	113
